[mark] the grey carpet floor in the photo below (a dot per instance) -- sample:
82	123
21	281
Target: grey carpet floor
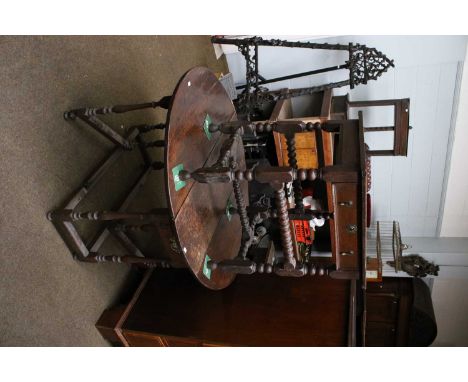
47	298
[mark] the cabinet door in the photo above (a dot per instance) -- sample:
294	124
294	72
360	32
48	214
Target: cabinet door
383	308
380	334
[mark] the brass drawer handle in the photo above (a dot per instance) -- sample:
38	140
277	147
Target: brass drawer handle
347	203
349	253
351	228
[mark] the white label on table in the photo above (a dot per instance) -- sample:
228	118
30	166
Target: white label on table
371	275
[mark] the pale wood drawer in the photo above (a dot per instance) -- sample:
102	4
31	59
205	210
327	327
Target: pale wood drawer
303	141
306	158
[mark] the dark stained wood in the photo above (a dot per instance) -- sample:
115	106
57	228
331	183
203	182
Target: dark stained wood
349	144
172	309
401	124
388	312
107	325
197	220
384	153
362	206
138	339
339	107
352	314
344	167
326	104
340	173
311	311
402	127
186	142
380	102
380	334
199	209
204	229
111	320
347	252
282	108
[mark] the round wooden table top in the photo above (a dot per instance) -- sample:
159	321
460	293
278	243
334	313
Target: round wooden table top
204	229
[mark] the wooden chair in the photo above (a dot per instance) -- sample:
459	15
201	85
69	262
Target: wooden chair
341	106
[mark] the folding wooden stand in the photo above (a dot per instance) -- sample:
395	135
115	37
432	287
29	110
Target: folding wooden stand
64	217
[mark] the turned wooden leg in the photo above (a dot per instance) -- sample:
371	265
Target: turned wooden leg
297	186
132	260
164	103
285	231
147	128
70	215
157	143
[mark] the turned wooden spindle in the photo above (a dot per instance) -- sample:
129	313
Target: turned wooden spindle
318	270
131	260
285	231
164	103
307	174
292	158
134	227
244	219
71	215
147	128
157	143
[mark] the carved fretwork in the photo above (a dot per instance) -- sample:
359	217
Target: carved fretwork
364	64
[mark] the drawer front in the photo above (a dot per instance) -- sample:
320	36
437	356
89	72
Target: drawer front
382	308
380	334
346	225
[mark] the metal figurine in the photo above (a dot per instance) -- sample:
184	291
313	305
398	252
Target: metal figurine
364	64
416	266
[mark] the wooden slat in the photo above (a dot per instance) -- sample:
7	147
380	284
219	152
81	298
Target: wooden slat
326	104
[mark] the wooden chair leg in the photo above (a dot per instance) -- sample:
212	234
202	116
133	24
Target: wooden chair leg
147	128
297	186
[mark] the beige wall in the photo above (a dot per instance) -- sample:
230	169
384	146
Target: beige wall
450	299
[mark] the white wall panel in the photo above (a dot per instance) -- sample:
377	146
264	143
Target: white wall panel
441	135
424	125
455	215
